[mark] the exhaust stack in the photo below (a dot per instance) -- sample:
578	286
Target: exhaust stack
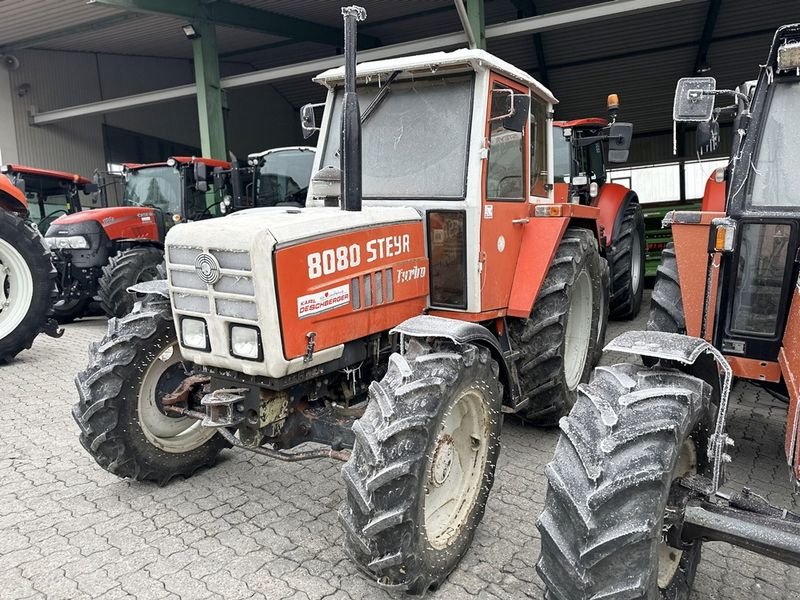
351	116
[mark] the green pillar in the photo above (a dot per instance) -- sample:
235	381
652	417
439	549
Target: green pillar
476	22
210	96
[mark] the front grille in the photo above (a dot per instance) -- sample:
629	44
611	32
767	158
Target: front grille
232	296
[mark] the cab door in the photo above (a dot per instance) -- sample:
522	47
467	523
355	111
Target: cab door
504	198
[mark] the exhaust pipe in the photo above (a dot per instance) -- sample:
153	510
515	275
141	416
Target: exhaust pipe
351	116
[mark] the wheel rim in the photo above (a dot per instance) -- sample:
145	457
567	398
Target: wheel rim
636	264
171	434
578	331
455	469
16	288
669	558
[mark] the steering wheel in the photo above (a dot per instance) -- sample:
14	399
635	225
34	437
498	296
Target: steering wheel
49	218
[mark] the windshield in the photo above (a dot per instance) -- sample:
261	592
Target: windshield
283	177
561	156
415	142
775	176
157	187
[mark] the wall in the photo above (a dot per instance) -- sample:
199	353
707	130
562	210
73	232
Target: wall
258	117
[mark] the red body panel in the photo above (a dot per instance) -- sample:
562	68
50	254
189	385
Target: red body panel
609	200
789	359
714	195
119	222
592	122
11	197
326	305
540	238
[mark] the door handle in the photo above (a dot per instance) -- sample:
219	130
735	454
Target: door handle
520	221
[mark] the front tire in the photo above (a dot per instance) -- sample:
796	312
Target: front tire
630	436
627	260
66	311
558	344
666	303
423	464
121	424
27	279
124	270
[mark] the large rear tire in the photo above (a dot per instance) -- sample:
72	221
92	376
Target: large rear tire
124	270
423	464
558	344
27	279
118	412
666	303
627	260
632	434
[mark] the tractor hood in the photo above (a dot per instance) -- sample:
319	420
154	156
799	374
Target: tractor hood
118	222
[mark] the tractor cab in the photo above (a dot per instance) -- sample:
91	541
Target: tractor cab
180	189
280	176
50	194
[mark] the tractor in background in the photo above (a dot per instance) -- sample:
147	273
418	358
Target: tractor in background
27	275
634	486
103	252
430	285
580	158
280	176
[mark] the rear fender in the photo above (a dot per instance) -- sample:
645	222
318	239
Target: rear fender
11	197
460	332
789	360
612	202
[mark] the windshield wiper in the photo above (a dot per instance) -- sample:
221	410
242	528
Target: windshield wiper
376	102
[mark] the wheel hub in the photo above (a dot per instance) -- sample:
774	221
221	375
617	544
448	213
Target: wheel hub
442	462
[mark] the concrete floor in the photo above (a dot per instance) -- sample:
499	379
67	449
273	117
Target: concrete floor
255	528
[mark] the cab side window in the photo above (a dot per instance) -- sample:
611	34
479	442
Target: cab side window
506	168
538	136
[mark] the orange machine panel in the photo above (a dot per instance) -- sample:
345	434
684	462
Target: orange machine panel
347	286
789	359
119	222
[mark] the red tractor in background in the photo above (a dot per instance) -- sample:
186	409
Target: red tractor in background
26	275
105	251
580	176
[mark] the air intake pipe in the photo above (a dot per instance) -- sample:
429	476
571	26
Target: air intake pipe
351	116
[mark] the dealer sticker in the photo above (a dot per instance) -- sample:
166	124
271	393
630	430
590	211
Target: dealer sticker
313	304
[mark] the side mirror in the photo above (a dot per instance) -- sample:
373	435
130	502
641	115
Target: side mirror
201	185
200	174
694	99
91	188
19	181
520	112
308	120
707	136
619	142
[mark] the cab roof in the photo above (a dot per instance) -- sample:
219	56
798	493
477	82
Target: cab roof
183	160
476	60
589	123
62	175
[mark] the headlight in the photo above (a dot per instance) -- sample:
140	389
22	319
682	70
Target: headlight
245	342
70	241
193	333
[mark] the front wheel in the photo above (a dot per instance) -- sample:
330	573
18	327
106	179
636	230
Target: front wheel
66	311
627	258
613	487
122	423
423	464
123	271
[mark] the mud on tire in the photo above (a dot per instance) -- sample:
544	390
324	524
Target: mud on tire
630	434
398	470
123	270
627	258
549	380
120	424
27	257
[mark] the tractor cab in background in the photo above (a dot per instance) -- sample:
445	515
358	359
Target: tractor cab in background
582	150
51	194
280	176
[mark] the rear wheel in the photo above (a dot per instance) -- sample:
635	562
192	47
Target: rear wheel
627	256
558	344
26	284
423	464
613	488
119	410
124	270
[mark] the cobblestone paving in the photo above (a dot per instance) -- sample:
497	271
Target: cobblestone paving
253	528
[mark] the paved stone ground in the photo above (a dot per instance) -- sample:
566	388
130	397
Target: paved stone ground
252	528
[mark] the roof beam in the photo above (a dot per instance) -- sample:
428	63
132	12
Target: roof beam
86	27
546	22
229	14
527	8
712	15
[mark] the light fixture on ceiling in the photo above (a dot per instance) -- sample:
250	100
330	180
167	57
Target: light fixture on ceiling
703	67
190	32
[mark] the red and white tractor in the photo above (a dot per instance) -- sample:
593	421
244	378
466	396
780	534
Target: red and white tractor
430	285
